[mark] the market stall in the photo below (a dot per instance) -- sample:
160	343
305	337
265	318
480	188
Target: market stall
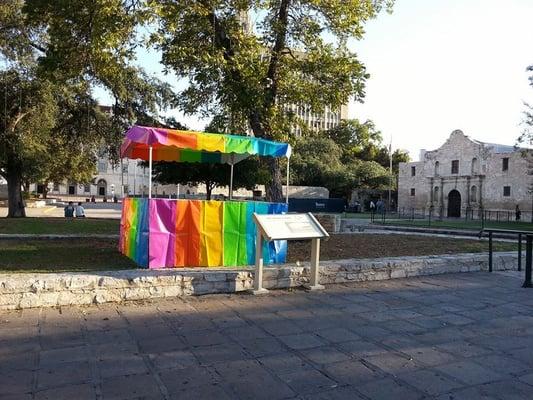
159	233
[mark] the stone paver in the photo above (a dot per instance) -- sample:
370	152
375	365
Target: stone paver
463	336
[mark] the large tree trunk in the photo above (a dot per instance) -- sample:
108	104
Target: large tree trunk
208	189
274	191
14	192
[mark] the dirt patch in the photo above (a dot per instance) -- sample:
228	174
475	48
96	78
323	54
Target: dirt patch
375	246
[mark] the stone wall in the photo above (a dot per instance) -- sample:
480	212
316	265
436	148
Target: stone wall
479	180
19	291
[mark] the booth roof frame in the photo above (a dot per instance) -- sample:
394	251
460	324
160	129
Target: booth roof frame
231	160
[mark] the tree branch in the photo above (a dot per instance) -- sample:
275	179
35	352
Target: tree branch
275	58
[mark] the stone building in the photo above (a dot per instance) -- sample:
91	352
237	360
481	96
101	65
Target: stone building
128	178
465	176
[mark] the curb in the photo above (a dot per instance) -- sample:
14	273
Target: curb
27	290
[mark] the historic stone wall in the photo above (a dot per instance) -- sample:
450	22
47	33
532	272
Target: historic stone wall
19	291
479	180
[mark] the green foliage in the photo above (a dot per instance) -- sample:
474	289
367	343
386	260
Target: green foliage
362	141
247	174
318	161
55	53
527	134
346	157
252	74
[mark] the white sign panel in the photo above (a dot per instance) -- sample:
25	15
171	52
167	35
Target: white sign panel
290	226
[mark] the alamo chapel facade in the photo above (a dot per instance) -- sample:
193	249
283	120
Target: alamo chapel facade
466	176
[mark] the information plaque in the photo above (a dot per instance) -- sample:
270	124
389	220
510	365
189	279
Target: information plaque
288	227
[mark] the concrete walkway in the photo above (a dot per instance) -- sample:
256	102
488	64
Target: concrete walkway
462	336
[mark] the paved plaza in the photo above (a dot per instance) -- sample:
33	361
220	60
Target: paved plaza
463	336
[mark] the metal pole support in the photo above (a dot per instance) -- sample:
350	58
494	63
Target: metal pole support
529	253
519	252
315	273
490	251
258	277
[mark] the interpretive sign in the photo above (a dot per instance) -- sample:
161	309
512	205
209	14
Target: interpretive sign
288	227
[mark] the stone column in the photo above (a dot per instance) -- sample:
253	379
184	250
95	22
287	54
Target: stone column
441	208
480	196
468	191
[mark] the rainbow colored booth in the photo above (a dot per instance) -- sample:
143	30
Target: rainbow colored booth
167	233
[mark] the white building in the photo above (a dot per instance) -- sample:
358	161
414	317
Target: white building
127	178
465	176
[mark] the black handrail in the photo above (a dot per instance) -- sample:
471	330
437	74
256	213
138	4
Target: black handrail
529	250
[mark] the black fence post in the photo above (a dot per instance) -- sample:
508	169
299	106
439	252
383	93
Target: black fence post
520	252
490	251
529	248
429	217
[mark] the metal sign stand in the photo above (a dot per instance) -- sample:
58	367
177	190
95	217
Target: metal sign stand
314	279
258	277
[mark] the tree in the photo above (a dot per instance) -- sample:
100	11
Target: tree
29	112
527	134
318	161
54	53
362	141
211	175
252	74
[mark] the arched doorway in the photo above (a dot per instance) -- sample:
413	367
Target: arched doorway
454	204
102	187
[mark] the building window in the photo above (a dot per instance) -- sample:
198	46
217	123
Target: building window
56	187
102	166
506	191
473	194
505	164
125	168
412	191
475	166
87	188
436	195
413	171
455	166
437	165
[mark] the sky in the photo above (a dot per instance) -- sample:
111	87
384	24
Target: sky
441	65
436	66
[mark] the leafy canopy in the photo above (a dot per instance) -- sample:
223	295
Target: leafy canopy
293	52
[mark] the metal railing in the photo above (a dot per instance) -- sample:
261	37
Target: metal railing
470	219
529	249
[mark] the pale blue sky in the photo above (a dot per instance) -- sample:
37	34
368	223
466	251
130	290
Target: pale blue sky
440	65
436	66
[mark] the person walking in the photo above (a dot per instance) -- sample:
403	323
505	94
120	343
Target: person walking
518	213
69	210
380	206
372	207
80	211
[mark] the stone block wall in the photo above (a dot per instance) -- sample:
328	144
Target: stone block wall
18	291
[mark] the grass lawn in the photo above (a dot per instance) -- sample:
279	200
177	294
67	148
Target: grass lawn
460	224
98	254
59	225
61	255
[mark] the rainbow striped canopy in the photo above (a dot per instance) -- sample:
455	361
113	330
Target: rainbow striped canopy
189	146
